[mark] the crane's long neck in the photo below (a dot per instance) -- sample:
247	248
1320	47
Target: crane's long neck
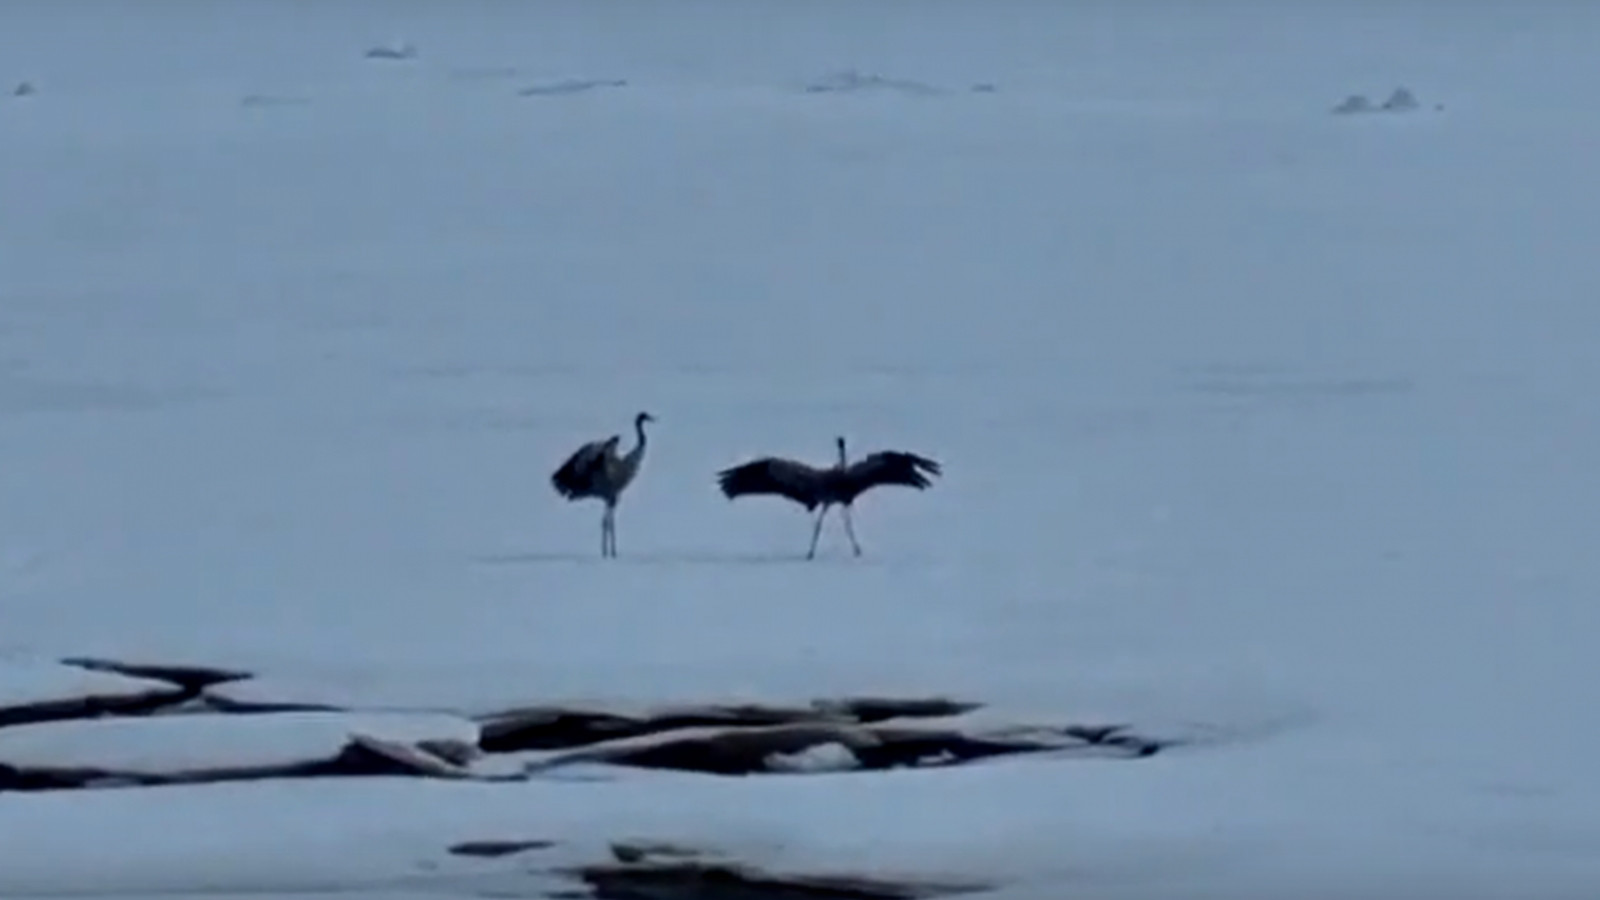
843	460
638	448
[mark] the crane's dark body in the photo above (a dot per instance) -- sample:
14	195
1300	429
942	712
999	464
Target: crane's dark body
595	471
838	485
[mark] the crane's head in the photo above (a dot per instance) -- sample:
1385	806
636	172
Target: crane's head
840	442
642	418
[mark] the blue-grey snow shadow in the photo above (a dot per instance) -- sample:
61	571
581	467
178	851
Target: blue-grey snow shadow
1266	383
268	101
24	394
677	557
571	86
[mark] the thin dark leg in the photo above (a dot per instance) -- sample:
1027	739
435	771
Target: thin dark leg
816	532
850	529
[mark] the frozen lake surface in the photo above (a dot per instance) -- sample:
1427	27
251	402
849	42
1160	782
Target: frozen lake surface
1266	431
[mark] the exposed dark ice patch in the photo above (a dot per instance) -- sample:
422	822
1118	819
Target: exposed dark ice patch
190	678
113	696
821	746
557	728
658	871
208	734
221	702
363	756
871	710
491	849
196	749
567	86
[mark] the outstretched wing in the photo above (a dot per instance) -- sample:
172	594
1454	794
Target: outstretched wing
578	476
770	475
889	467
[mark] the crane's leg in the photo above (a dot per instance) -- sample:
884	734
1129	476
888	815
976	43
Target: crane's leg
607	524
850	529
816	532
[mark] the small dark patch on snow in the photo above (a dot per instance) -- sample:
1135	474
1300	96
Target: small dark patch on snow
715	880
1355	103
24	89
393	51
492	849
571	86
1400	100
851	81
984	87
191	678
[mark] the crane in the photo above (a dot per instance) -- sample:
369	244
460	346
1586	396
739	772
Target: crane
838	485
595	471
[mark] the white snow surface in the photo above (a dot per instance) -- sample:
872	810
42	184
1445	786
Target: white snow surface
1254	418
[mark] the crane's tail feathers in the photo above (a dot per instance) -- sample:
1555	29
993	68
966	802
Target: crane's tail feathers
566	482
575	476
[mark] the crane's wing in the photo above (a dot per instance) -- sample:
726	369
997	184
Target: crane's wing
770	475
890	467
577	476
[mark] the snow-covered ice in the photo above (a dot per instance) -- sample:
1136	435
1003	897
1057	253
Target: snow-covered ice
192	743
1255	421
30	683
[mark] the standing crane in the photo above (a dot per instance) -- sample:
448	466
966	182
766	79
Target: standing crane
595	471
839	484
